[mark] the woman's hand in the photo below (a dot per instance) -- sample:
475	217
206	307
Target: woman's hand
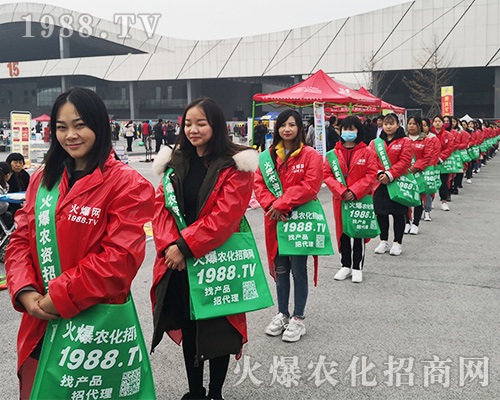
384	179
348	195
174	258
32	302
47	305
412	170
276	214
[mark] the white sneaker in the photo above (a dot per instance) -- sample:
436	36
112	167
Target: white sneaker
343	273
382	247
469	180
445	207
414	229
357	276
396	249
407	228
294	330
278	325
427	216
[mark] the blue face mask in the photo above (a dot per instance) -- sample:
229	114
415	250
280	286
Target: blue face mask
349	136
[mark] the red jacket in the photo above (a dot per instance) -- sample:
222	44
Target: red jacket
436	148
462	140
219	219
446	139
400	153
360	173
98	260
423	152
301	180
475	138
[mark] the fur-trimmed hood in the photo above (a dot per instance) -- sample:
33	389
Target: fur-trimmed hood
245	161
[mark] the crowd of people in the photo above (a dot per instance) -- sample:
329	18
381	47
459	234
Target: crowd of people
207	183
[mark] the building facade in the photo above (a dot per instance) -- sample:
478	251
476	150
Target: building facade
46	49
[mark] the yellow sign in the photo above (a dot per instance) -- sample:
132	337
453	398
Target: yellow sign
447	90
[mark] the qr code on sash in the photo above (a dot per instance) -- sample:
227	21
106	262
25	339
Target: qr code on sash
131	382
249	290
320	241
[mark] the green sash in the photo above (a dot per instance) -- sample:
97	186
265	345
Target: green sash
403	190
358	217
101	352
306	230
229	279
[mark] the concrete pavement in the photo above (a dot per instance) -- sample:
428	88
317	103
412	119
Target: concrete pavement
415	325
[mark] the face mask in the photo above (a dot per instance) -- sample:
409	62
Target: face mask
349	136
446	124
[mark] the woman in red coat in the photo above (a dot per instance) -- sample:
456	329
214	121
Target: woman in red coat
422	153
102	207
447	146
212	180
399	149
358	164
300	170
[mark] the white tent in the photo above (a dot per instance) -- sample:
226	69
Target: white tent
467	118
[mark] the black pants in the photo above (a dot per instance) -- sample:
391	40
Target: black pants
399	227
130	139
354	256
457	182
444	190
468	174
417	215
218	365
158	141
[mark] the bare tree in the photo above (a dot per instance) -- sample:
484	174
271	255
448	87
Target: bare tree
373	74
426	82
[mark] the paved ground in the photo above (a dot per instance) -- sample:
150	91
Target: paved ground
433	311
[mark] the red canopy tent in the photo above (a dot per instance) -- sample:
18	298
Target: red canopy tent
317	88
42	118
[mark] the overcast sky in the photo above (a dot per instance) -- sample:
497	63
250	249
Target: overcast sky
221	19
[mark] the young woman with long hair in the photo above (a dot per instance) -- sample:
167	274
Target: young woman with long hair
212	180
300	170
101	210
447	147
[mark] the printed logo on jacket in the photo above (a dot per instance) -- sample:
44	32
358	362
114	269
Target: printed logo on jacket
84	214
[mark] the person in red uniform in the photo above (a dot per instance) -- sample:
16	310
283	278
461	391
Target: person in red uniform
399	149
358	164
422	153
212	180
98	260
300	170
447	147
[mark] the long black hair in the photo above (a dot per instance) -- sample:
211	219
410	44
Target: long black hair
219	145
300	138
94	114
353	122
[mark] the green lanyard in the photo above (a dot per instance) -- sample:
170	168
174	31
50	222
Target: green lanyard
334	164
270	174
46	237
382	153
